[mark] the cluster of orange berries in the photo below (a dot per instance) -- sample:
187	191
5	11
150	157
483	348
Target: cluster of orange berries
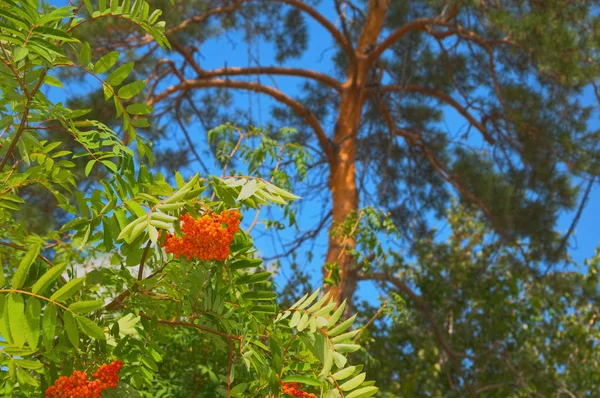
78	386
295	391
205	238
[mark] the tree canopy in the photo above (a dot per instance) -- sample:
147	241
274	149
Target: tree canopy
477	115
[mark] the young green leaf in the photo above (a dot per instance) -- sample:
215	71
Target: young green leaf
131	90
309	381
71	328
344	373
139	109
25	378
33	312
117	76
364	392
48	326
16	317
23	270
81	307
247	190
48	278
4	319
85	54
106	62
69	289
90	328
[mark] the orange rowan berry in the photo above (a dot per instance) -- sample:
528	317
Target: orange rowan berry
205	238
77	385
295	391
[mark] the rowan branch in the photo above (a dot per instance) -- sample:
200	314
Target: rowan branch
300	109
194	326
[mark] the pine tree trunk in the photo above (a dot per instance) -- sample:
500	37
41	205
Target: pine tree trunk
342	182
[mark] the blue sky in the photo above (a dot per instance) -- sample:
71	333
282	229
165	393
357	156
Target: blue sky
231	51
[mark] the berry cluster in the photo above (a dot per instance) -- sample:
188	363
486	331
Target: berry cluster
295	391
78	386
205	238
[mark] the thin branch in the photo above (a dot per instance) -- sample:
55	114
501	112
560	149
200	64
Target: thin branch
274	70
25	249
309	117
187	135
416	139
194	326
337	35
412	26
444	97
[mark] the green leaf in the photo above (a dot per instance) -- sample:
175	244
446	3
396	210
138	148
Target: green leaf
131	90
71	328
90	328
29	364
69	289
46	280
127	324
85	54
23	270
25	378
20	53
295	319
80	307
4	319
117	76
106	62
303	322
139	109
88	6
344	373
33	312
259	296
153	233
342	326
336	315
135	208
247	190
310	381
16	317
48	326
51	33
149	362
107	90
253	278
110	165
52	81
363	392
238	390
353	382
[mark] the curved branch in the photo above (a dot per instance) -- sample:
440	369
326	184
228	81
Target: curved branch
274	70
414	25
309	117
317	16
417	24
442	96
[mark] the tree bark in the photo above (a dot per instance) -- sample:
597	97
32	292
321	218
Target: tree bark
342	182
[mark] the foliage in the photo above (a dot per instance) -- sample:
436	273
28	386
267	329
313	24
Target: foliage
56	317
500	328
